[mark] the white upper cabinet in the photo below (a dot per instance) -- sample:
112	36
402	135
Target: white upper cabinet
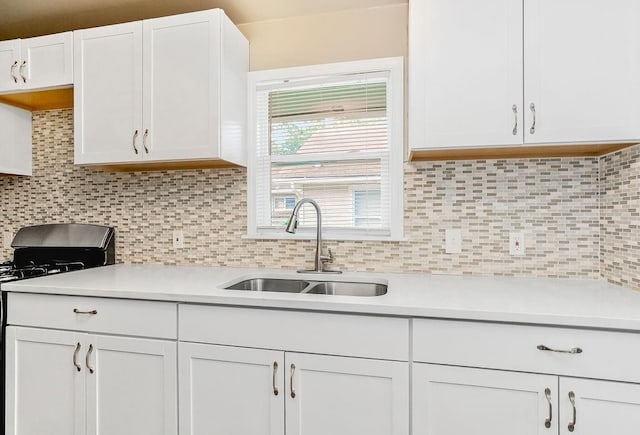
9	65
108	93
466	73
15	141
181	65
582	71
36	63
177	91
507	73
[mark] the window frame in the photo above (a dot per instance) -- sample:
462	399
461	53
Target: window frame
394	67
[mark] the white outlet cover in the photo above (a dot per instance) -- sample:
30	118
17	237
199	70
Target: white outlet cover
516	243
178	239
453	241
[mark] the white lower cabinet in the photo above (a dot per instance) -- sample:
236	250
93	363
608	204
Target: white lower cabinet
590	407
458	400
45	392
247	371
345	396
527	376
131	386
230	390
236	391
76	383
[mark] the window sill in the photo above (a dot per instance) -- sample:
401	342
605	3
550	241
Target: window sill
336	237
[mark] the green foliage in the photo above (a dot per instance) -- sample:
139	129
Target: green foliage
287	137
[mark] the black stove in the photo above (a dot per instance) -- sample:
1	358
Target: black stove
56	248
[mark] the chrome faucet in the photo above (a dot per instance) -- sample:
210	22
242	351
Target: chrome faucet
293	225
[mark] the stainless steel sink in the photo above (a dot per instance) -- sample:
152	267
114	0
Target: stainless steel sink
271	285
347	288
341	288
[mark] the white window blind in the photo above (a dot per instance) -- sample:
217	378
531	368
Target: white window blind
329	138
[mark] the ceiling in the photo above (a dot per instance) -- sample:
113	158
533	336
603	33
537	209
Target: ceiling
25	18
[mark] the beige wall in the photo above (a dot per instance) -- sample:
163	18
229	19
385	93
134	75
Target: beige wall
354	34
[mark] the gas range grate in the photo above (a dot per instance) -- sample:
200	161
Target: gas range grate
10	272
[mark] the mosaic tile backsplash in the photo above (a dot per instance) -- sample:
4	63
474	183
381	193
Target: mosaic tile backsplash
620	217
556	202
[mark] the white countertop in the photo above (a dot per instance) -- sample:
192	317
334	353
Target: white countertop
566	302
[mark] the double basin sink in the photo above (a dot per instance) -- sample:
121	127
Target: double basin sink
303	286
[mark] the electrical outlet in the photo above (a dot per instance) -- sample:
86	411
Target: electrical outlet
178	239
516	243
453	241
7	238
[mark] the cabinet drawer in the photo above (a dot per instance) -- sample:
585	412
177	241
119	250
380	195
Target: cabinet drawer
604	354
112	316
324	333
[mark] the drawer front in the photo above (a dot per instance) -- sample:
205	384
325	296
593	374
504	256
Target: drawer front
323	333
605	354
112	316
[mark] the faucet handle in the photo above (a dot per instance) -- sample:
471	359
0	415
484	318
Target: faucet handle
327	257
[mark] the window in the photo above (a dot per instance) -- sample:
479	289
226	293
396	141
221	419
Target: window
366	208
333	133
281	209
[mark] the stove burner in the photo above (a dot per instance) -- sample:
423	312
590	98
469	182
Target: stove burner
10	272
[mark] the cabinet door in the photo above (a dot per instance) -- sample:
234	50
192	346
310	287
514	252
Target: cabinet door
230	390
465	76
581	70
131	386
47	61
10	65
15	141
600	407
181	76
45	391
454	400
108	94
346	396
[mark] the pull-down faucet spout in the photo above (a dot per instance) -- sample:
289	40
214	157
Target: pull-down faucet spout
293	225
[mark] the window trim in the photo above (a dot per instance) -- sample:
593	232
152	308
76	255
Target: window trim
395	68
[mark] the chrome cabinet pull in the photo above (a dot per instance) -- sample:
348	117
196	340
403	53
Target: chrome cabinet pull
77	311
22	67
573	350
135	136
75	357
572	399
547	421
13	71
515	118
532	106
144	141
273	381
293	392
86	359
